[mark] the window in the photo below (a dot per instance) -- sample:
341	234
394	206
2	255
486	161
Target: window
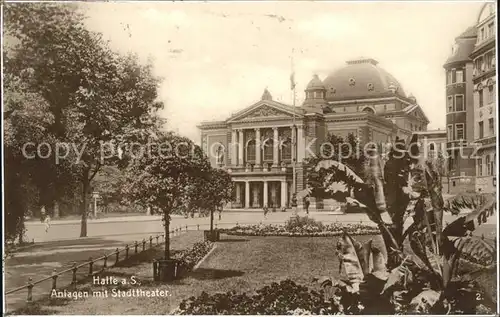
481	129
459	103
219	155
449	133
491	126
491	94
480	167
460	76
286	150
453	76
491	29
482	34
488	166
481	99
450	103
431	147
448	77
268	150
318	94
251	150
459	131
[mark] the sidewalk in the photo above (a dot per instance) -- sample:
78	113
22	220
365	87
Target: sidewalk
114	219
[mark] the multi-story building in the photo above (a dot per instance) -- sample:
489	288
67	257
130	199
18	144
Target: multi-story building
434	146
266	142
460	114
484	79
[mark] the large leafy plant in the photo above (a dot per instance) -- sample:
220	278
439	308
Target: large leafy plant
404	199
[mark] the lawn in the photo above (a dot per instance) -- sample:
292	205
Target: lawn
239	264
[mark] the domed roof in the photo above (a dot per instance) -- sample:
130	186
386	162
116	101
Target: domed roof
361	78
315	83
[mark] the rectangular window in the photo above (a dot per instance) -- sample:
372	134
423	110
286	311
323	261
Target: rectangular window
453	77
482	34
450	103
491	29
459	103
480	167
448	77
481	97
459	131
460	76
491	126
481	129
449	133
491	94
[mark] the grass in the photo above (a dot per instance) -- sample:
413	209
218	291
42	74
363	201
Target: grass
241	264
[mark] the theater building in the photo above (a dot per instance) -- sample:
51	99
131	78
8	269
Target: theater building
263	144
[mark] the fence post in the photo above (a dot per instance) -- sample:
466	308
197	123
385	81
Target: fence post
91	264
30	290
150	242
135	247
143	244
105	262
74	275
117	256
126	252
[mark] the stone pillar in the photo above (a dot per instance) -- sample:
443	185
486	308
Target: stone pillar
247	194
276	144
238	194
255	193
284	193
294	144
234	147
241	142
258	161
265	200
300	143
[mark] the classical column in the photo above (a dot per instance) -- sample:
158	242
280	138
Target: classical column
247	194
257	147
255	192
276	144
234	147
300	143
241	142
265	202
294	144
238	193
284	192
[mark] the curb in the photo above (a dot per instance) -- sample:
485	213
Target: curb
204	258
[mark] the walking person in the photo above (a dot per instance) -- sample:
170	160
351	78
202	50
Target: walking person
306	204
46	221
220	212
265	211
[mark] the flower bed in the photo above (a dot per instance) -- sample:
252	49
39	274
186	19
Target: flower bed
190	257
308	230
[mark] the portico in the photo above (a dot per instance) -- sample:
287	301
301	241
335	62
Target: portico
257	193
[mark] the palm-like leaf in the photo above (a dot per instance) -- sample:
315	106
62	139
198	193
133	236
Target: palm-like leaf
485	207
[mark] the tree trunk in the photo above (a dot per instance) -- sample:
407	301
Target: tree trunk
83	206
211	222
56	210
167	235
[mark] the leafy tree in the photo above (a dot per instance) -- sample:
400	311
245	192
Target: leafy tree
162	178
94	95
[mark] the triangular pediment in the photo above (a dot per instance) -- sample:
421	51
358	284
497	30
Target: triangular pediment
265	109
417	112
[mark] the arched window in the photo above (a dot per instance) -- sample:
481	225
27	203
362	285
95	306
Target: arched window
286	149
431	147
219	155
369	110
488	166
250	150
268	149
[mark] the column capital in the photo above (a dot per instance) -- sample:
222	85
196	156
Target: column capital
239	130
256	129
275	128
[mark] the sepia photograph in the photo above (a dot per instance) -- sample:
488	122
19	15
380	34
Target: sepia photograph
249	157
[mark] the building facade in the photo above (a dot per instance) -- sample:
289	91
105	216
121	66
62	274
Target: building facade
265	143
460	114
485	107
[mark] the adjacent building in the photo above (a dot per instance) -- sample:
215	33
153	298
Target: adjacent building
485	107
460	114
267	141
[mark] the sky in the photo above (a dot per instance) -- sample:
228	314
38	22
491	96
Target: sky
217	58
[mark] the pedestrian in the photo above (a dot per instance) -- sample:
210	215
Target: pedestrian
47	223
42	214
265	211
306	203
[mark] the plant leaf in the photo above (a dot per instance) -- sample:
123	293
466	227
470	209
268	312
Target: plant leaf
379	264
471	221
326	164
423	302
350	261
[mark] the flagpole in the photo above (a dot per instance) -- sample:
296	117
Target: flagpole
294	142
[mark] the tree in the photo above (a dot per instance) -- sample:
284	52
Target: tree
95	95
161	179
213	191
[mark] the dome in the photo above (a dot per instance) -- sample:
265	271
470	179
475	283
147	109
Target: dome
315	83
361	78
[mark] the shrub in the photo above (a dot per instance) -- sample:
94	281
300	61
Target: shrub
303	224
189	258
